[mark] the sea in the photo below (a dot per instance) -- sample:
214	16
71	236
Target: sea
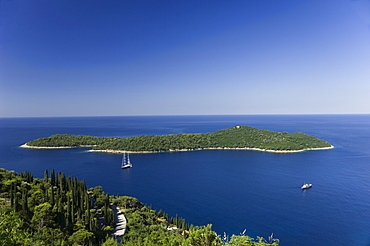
234	190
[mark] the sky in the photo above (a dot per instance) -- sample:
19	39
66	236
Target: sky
190	57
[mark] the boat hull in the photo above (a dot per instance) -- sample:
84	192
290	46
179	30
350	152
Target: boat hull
306	186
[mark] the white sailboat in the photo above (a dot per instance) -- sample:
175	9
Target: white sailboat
126	161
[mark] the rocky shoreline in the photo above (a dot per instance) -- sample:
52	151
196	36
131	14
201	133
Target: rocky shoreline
219	148
25	146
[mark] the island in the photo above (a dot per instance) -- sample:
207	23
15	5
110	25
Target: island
237	137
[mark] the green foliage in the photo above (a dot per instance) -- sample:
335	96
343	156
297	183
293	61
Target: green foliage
234	137
81	237
11	232
66	140
56	211
248	241
203	237
43	216
47	211
110	242
146	226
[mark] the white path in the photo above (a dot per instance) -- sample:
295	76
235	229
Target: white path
120	221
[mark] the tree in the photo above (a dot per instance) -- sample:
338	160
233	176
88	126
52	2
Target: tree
46	175
81	237
52	177
43	216
203	237
11	232
110	242
248	241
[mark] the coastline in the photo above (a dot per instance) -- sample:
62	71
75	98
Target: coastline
197	149
173	150
25	146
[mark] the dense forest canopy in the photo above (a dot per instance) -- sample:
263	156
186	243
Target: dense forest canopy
234	137
59	210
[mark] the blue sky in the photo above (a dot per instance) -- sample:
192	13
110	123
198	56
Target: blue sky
118	57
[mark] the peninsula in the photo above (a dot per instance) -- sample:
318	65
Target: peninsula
237	137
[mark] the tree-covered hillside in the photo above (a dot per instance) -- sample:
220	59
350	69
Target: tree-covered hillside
59	210
56	210
234	137
66	140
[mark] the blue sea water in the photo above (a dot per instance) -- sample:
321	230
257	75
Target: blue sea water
231	189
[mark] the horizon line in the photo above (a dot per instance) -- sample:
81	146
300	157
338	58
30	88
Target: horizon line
166	115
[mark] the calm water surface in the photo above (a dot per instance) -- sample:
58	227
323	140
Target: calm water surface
231	189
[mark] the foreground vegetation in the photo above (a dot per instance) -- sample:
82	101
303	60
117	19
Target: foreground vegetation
235	137
59	210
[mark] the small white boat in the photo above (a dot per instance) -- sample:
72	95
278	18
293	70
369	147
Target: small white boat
126	161
306	186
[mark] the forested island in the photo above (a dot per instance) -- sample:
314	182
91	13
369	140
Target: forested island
237	137
58	210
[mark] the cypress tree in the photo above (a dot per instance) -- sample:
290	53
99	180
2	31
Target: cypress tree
46	175
57	195
24	202
52	200
46	193
16	202
11	193
60	205
73	218
68	214
52	177
87	219
62	181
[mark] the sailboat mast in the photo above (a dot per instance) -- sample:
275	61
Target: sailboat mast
123	159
